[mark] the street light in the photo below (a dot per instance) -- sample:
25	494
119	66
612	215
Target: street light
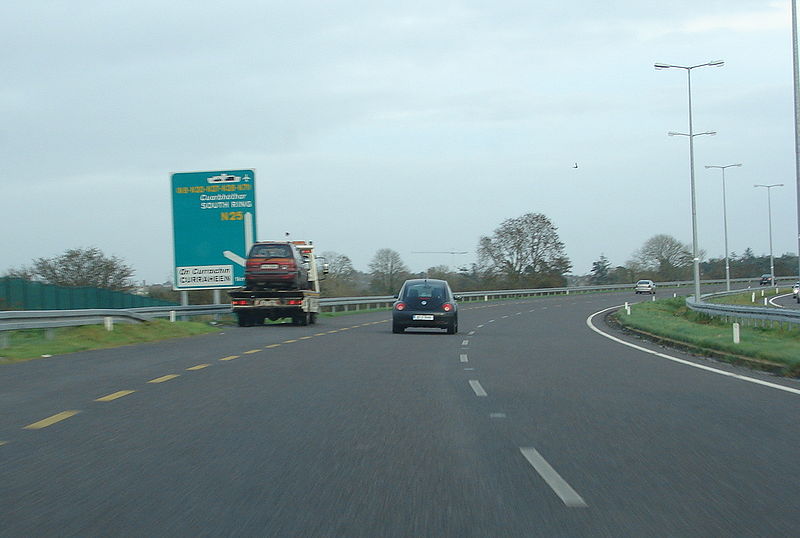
691	135
769	206
725	223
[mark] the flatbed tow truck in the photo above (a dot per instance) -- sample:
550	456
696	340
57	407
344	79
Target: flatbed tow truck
254	305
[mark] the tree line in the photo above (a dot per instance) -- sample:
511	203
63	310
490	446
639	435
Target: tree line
522	252
664	258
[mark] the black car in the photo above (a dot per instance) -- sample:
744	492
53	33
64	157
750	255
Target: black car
766	280
425	302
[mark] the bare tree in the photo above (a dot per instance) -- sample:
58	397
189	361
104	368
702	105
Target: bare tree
665	256
81	267
340	280
387	271
526	249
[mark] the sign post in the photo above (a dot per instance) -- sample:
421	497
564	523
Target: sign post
214	225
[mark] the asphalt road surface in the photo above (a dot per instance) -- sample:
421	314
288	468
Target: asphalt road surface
526	423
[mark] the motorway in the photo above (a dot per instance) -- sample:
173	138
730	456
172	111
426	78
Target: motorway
526	423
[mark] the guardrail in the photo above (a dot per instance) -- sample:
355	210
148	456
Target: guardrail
741	313
49	319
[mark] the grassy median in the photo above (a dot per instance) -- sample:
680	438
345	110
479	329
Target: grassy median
774	349
35	343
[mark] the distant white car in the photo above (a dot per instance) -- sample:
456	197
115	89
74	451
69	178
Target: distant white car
645	286
796	290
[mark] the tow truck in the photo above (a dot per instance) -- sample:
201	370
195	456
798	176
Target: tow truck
254	305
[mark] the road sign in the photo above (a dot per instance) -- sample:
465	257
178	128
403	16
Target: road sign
214	224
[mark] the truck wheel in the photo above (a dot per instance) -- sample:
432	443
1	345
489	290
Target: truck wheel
243	319
302	319
313	319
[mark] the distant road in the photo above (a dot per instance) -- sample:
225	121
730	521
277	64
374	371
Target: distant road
526	423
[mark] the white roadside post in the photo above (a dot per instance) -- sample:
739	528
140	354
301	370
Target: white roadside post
109	322
735	333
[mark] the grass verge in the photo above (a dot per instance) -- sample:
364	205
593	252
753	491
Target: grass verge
33	343
773	349
746	299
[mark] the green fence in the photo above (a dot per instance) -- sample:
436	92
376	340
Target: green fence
19	294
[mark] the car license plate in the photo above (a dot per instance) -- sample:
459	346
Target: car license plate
423	317
269	265
265	302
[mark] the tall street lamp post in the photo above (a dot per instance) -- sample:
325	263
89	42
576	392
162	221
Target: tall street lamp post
725	223
769	208
691	135
796	80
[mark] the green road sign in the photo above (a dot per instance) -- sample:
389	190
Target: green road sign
214	224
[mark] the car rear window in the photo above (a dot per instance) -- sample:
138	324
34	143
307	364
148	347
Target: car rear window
271	251
425	291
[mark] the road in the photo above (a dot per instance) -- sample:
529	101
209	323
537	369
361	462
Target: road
526	423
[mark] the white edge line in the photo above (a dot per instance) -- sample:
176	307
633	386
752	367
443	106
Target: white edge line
476	386
682	361
564	491
778	297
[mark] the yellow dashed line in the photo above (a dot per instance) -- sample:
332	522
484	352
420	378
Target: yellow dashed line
305	337
199	367
335	331
115	395
289	341
51	420
251	351
163	378
345	328
320	334
3	443
273	345
230	358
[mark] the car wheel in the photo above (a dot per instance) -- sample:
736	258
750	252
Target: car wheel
453	327
397	328
302	319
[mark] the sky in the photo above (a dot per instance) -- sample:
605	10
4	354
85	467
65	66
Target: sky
415	126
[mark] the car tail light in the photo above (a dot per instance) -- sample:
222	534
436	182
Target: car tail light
400	306
240	303
447	307
294	301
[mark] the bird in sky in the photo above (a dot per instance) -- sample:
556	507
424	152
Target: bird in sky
575	165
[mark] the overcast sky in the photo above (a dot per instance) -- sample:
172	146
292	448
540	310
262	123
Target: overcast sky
417	126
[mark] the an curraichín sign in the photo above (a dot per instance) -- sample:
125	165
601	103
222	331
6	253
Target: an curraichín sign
214	223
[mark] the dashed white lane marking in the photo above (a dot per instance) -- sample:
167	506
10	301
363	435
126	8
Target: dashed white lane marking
490	321
497	415
504	317
681	361
470	333
476	387
463	357
560	486
465	342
